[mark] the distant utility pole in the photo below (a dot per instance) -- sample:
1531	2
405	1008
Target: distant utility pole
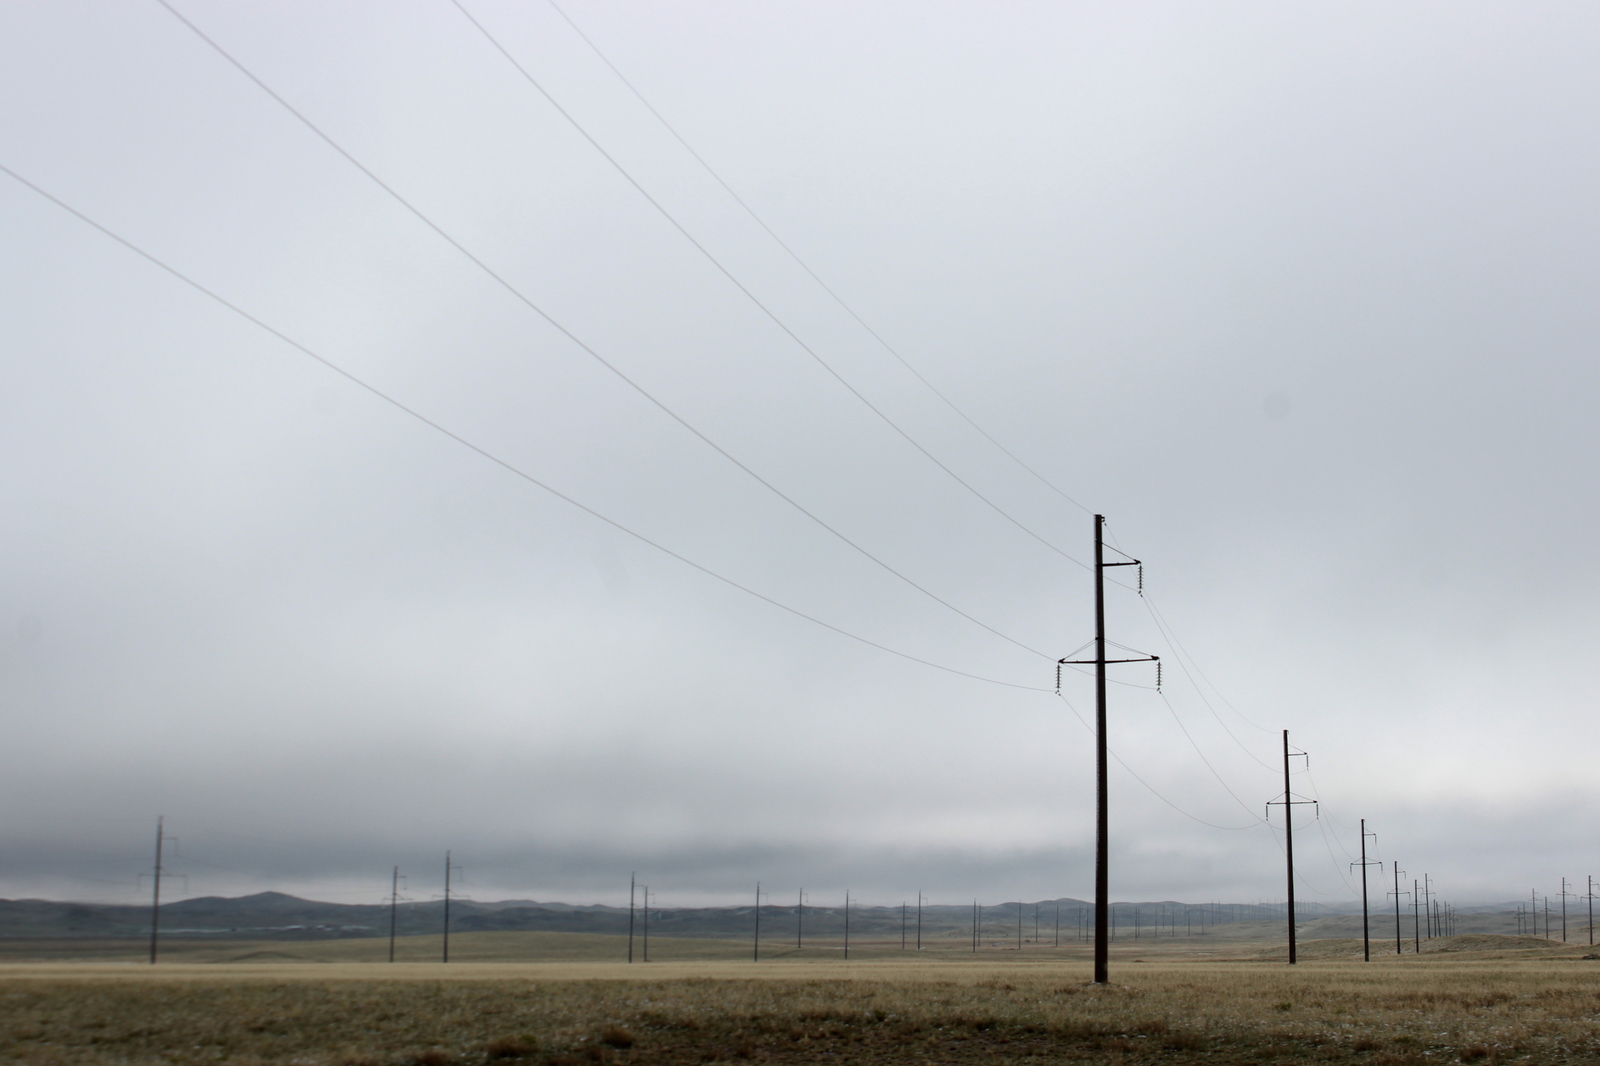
902	925
1564	895
1416	924
446	955
756	953
1288	803
394	909
1547	917
633	881
646	923
1397	894
1366	936
974	927
847	923
1019	925
155	899
1427	903
1058	924
1102	823
1590	898
919	921
799	919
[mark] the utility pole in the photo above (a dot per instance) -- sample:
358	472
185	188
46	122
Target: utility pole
799	919
1288	803
1366	936
394	909
902	925
1019	925
1590	898
1397	894
919	921
1427	903
974	927
847	923
1564	895
155	899
1058	924
633	880
1102	823
756	954
446	955
646	923
1416	923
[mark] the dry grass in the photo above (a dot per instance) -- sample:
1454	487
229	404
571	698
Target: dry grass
1390	1013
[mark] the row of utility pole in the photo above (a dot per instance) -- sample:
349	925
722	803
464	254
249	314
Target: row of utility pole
1440	916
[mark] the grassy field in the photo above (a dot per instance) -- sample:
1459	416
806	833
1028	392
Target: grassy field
1497	1002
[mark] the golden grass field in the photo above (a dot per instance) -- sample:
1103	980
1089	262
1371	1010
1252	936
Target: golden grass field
1491	1000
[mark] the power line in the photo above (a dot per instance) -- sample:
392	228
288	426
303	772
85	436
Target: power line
1151	788
753	298
531	305
698	158
464	442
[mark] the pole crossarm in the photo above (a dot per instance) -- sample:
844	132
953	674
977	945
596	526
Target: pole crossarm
1097	662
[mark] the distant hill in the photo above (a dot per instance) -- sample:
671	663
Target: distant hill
275	915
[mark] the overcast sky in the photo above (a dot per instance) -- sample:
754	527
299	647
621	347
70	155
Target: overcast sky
1301	297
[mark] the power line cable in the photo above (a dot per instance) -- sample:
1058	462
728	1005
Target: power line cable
1190	737
514	291
464	442
751	296
803	264
1179	658
1151	788
1172	639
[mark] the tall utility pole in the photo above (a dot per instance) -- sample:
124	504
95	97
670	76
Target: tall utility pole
1058	924
1416	922
394	909
1019	925
155	899
646	923
1366	936
1564	895
1102	823
1288	803
847	923
902	925
799	920
974	927
919	921
633	881
446	956
756	954
1590	898
1397	894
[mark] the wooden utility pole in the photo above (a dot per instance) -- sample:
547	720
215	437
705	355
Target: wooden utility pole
394	909
633	880
1397	894
1102	823
1366	932
1288	803
847	923
446	957
756	956
155	899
